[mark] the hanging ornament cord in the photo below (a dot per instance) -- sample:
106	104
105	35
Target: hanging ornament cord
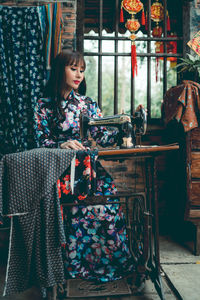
133	58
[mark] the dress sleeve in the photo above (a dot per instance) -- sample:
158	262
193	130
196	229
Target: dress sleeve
101	135
42	128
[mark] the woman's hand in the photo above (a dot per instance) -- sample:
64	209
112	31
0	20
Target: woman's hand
72	144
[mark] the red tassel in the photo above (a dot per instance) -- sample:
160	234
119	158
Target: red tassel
134	60
143	18
121	16
168	24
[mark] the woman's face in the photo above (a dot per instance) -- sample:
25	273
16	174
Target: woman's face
74	76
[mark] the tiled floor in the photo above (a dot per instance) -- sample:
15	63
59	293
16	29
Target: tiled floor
179	265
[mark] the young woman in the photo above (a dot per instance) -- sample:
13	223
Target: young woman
97	247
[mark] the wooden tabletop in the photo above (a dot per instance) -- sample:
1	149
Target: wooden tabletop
139	150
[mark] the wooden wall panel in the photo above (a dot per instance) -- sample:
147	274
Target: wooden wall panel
195	165
195	140
195	193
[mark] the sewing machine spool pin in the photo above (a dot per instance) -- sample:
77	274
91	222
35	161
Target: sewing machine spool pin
127	125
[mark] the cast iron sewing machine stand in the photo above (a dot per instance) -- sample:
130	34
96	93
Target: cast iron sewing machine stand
143	230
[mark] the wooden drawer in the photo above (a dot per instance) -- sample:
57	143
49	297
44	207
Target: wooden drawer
195	138
195	165
194	214
195	193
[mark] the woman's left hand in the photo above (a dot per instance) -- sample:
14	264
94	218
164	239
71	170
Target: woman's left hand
72	144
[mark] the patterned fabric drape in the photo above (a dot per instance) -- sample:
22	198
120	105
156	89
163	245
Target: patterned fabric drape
22	74
54	24
28	193
51	22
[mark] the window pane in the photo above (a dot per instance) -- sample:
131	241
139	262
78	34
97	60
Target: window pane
141	46
171	72
91	77
108	85
108	46
90	46
124	46
124	75
154	45
141	82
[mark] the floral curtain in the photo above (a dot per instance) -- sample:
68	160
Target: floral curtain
22	75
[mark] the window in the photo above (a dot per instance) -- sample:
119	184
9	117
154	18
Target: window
106	47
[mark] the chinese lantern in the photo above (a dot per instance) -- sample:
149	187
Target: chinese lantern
157	14
132	7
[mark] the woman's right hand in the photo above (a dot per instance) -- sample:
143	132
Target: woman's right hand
72	144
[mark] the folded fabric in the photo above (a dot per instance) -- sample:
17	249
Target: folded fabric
182	103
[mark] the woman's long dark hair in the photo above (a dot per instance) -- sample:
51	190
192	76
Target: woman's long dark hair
56	85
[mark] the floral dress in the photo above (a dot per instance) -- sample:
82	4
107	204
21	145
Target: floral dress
97	246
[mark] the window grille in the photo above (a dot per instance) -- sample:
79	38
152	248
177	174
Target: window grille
107	51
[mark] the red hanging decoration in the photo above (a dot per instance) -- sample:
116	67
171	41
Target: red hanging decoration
157	31
133	59
133	7
133	25
168	24
143	22
121	16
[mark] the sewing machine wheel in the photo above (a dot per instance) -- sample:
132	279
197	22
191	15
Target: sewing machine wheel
138	228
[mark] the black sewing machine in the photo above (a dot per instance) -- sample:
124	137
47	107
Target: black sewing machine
127	125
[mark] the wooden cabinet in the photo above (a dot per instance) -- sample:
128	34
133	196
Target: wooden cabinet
191	159
187	199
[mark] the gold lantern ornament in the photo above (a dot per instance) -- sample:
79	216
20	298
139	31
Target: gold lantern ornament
157	15
132	7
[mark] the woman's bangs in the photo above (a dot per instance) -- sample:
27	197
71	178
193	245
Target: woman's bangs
77	61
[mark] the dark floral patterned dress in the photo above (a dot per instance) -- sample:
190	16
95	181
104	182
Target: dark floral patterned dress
97	246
